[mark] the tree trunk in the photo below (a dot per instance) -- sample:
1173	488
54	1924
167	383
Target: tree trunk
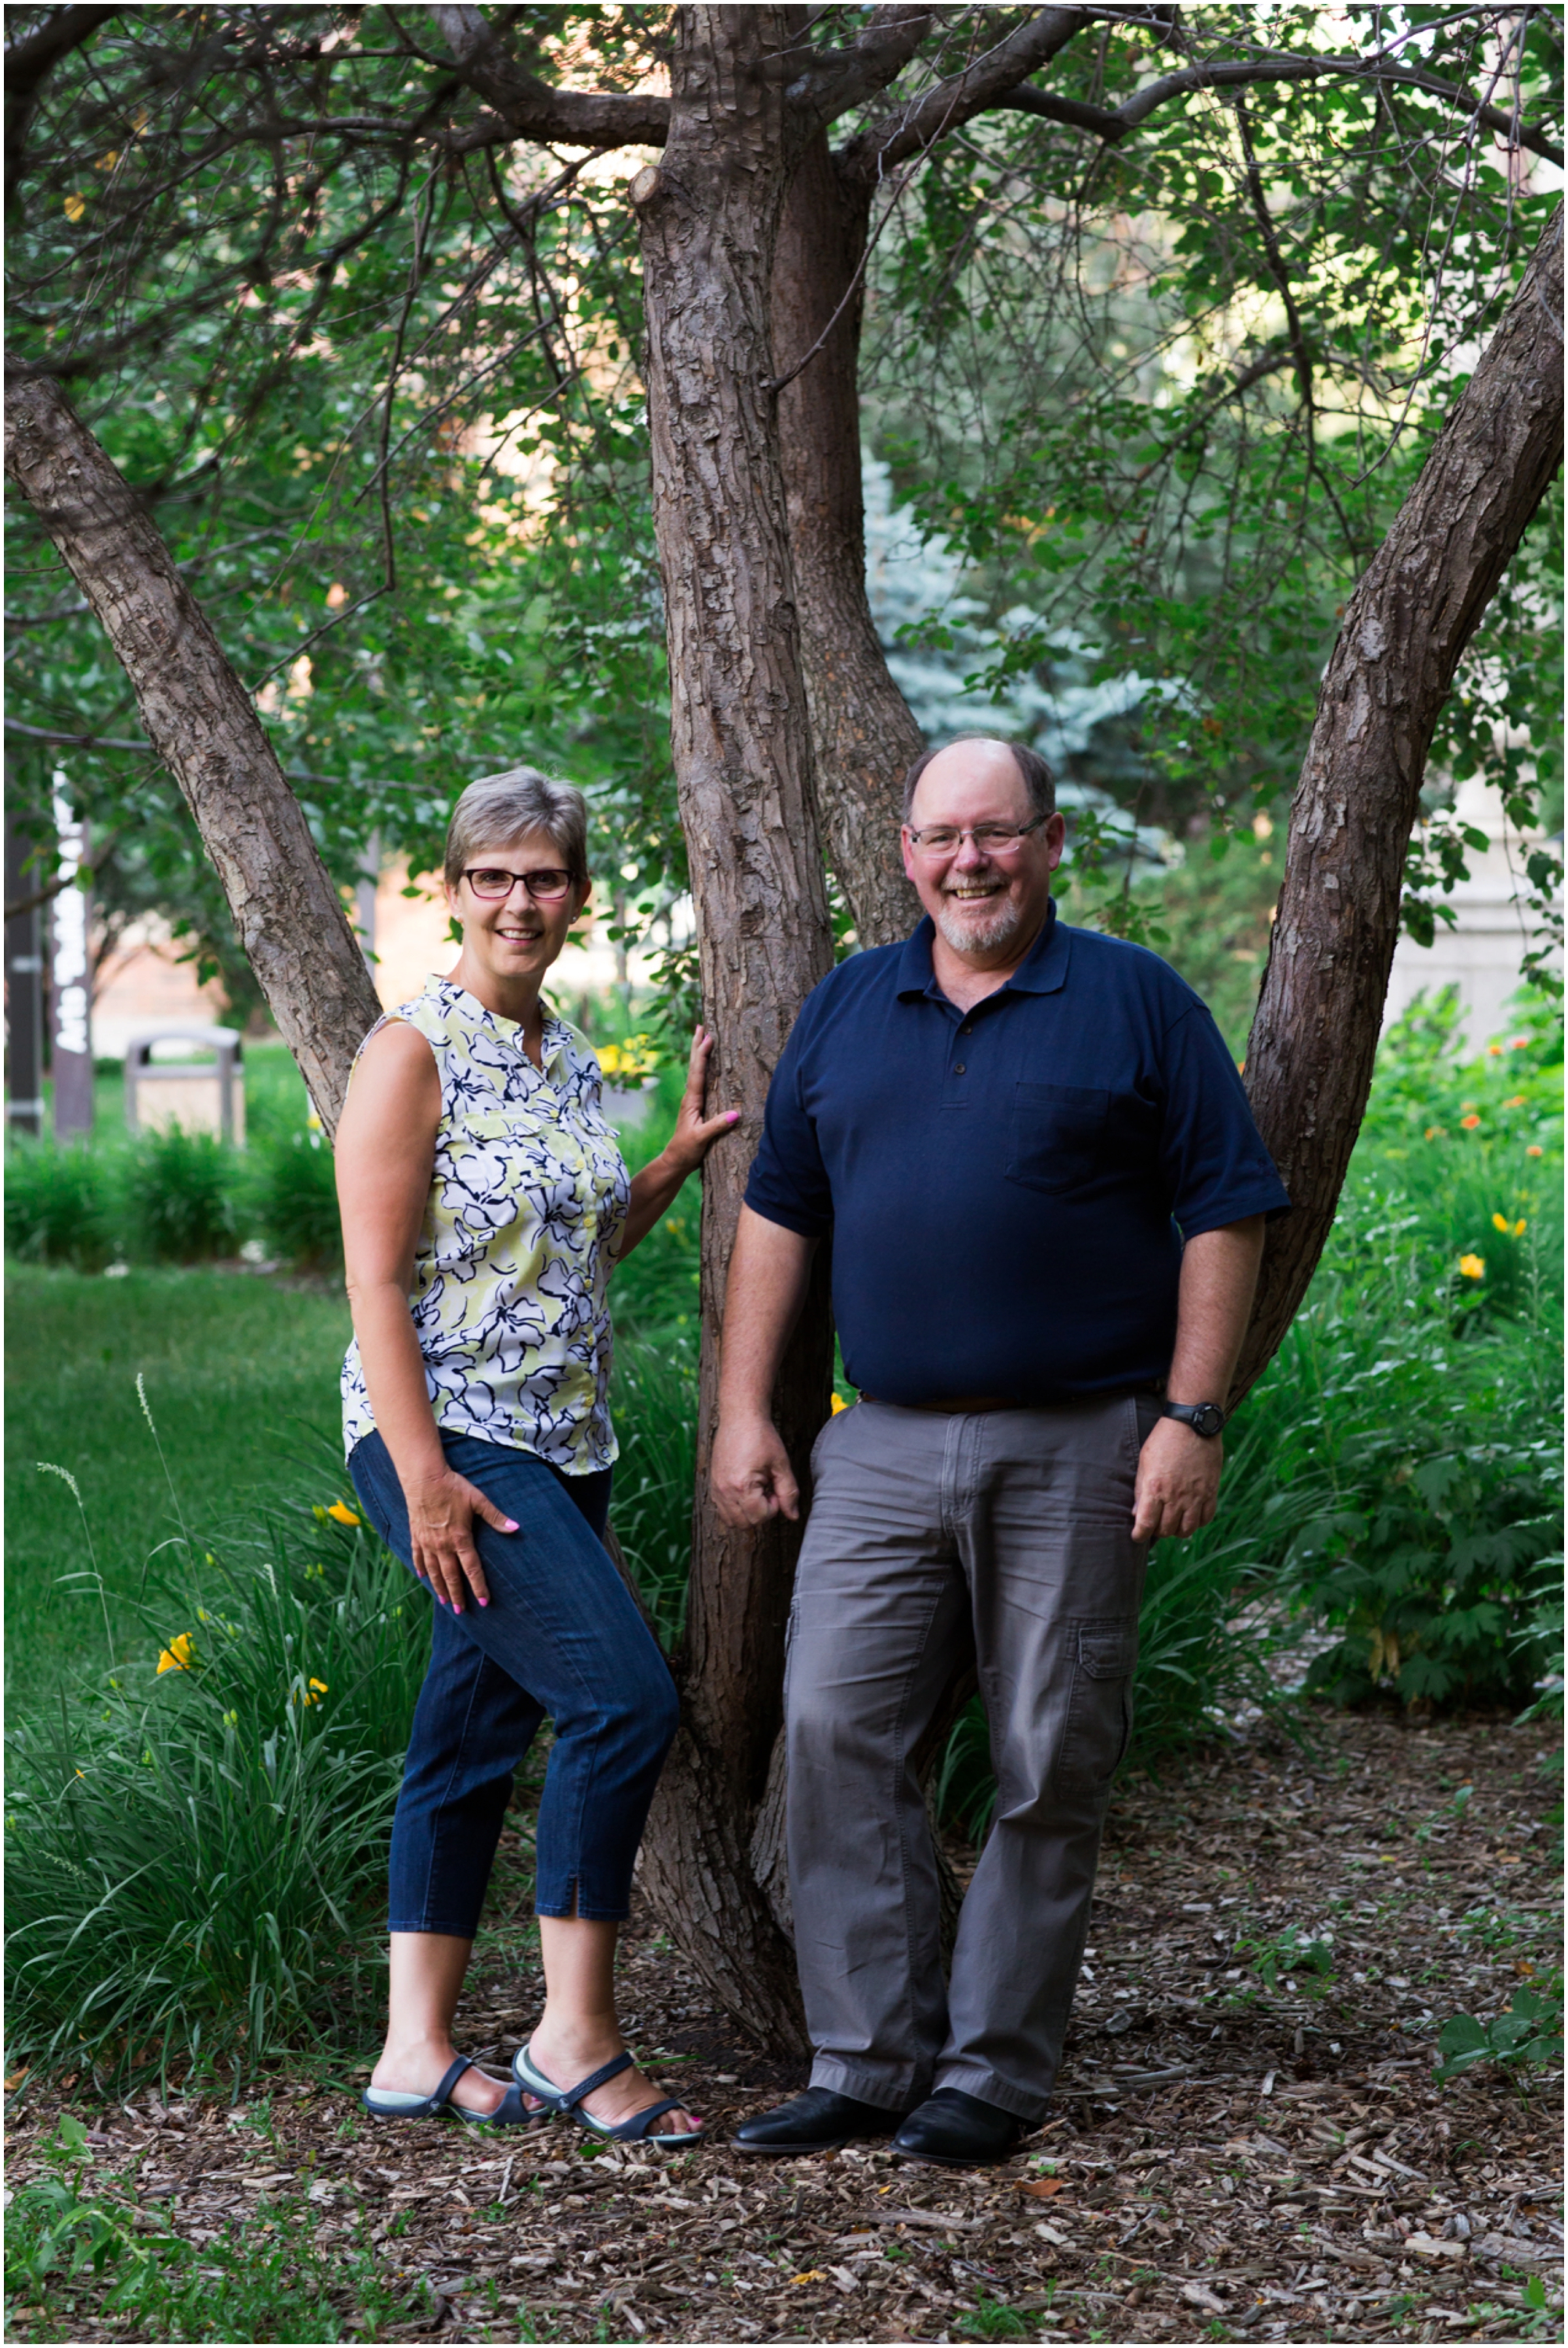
709	215
199	718
1315	1036
864	739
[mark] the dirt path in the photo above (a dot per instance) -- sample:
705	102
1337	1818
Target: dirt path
1221	2162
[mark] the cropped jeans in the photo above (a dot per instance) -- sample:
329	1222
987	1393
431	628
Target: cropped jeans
560	1637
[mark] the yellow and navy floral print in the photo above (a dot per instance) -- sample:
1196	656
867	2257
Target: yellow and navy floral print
528	1198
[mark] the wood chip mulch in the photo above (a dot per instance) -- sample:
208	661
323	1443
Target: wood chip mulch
1221	2160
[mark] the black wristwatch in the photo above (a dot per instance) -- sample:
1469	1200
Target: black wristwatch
1205	1418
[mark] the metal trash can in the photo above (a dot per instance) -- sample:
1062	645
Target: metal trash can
200	1096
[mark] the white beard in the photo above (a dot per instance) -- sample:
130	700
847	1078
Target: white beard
983	924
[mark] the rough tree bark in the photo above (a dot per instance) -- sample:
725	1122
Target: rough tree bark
288	913
1314	1034
864	739
709	215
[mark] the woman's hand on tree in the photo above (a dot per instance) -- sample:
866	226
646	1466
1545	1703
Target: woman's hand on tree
695	1134
441	1513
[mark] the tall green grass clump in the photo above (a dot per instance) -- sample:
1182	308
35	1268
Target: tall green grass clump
196	1839
655	1403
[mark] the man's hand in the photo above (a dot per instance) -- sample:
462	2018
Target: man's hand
750	1475
1178	1482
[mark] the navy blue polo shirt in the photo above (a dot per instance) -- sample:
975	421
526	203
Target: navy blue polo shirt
1004	1186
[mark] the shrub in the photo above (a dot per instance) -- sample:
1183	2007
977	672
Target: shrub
61	1203
1439	1573
180	1196
196	1844
293	1195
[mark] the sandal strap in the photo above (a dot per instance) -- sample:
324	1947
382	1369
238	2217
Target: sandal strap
631	2131
444	2092
611	2070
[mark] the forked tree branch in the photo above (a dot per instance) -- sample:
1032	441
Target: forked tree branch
532	109
915	126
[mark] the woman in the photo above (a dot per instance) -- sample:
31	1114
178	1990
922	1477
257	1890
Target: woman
483	1203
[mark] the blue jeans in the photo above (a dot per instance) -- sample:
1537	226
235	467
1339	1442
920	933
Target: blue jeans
561	1635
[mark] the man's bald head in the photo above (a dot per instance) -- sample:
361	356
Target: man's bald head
975	749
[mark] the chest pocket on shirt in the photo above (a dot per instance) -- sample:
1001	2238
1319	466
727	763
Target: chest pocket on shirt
1058	1136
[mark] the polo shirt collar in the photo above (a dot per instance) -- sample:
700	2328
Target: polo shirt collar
1043	970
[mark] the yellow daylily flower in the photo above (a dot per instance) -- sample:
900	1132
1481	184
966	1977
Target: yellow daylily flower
341	1515
1474	1267
176	1656
838	1403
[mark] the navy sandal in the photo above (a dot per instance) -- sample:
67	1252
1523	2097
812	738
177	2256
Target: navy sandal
394	2103
638	2130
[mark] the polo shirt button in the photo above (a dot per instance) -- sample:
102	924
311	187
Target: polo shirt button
959	1068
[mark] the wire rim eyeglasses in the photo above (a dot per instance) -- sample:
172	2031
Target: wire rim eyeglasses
990	838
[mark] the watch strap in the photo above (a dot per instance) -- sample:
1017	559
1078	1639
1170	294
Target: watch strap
1205	1418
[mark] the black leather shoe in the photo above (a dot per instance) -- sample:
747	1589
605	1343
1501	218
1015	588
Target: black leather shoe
814	2122
958	2131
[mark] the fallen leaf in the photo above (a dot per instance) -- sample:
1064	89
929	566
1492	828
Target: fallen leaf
1197	2294
813	2274
1044	2186
1427	2246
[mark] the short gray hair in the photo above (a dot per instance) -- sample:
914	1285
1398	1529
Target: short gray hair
499	809
1038	779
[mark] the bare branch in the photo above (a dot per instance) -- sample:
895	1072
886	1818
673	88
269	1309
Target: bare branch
28	64
73	741
30	59
982	84
531	110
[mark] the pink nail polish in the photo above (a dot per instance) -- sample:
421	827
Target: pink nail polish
484	1601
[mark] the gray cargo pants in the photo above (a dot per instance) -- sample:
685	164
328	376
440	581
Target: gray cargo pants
1013	1527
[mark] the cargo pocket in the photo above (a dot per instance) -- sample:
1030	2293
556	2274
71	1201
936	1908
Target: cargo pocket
1056	1135
1100	1709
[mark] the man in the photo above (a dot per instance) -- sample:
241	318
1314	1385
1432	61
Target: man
1001	1123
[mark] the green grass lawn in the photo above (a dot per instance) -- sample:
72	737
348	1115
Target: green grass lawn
241	1378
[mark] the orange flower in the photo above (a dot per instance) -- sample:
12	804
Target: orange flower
1533	1150
1469	1123
1434	1133
1472	1267
1517	1102
1494	1051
